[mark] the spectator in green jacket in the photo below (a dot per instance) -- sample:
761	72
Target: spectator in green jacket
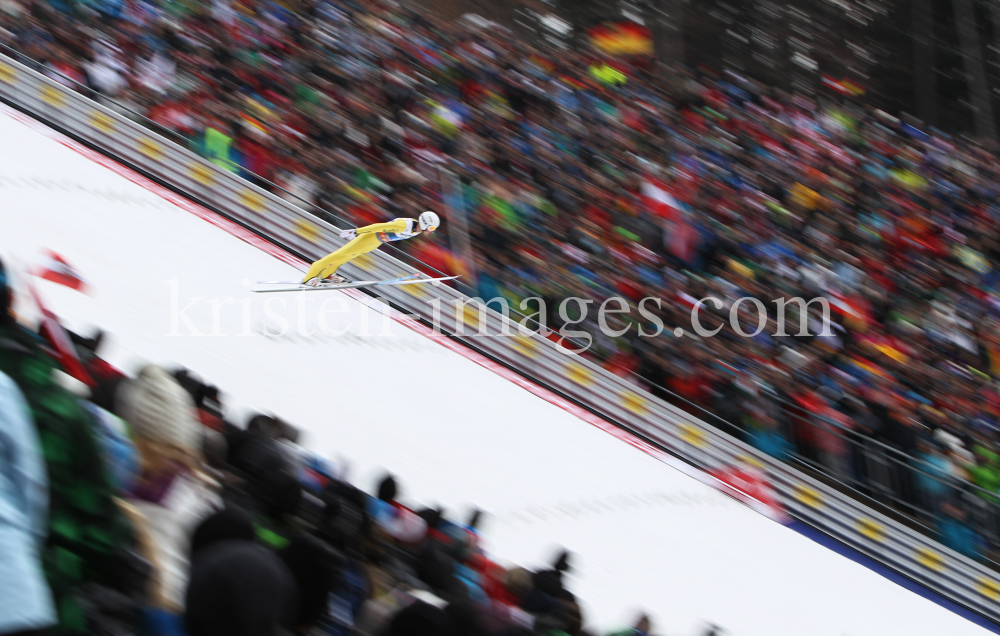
86	529
985	473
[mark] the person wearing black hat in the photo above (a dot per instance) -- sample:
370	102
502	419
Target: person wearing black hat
239	588
228	524
548	587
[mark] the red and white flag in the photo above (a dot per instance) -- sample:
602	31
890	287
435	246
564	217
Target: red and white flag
681	237
55	268
52	330
687	300
658	200
855	309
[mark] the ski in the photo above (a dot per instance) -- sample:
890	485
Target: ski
298	282
292	286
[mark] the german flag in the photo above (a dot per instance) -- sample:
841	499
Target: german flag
570	81
622	38
869	366
542	63
254	123
844	86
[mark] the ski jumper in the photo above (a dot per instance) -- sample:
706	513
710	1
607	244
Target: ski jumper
368	239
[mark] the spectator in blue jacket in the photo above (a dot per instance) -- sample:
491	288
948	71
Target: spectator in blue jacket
935	476
765	435
956	534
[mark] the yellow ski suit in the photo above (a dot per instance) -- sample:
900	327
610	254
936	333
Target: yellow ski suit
368	239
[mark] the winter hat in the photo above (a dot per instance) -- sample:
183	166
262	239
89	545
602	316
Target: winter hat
264	424
387	489
561	563
239	588
229	524
159	410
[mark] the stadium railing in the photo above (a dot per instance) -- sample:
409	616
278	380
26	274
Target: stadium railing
659	426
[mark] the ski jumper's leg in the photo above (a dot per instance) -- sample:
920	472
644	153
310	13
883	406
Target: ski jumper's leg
328	265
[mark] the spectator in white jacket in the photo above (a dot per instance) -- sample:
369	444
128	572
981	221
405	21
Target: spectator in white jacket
25	599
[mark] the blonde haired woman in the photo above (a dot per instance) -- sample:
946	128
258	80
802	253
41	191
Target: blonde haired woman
174	492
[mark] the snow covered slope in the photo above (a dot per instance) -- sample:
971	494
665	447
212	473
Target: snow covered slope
644	535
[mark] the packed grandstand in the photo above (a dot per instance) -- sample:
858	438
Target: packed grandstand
581	176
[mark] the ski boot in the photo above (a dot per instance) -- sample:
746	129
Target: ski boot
321	282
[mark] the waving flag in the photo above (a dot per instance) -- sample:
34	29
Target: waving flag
658	201
55	268
681	237
622	38
63	350
855	309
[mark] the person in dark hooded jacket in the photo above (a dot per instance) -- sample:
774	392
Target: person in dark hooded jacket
315	567
548	587
254	451
239	588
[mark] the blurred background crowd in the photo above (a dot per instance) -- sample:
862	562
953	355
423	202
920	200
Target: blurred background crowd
132	506
575	173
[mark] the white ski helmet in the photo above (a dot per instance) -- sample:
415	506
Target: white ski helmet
429	221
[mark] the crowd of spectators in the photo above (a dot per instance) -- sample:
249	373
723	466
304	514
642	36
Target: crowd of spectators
131	506
364	111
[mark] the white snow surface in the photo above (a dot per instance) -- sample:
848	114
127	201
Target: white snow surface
644	536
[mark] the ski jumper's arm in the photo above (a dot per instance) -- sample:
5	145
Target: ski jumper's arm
398	225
